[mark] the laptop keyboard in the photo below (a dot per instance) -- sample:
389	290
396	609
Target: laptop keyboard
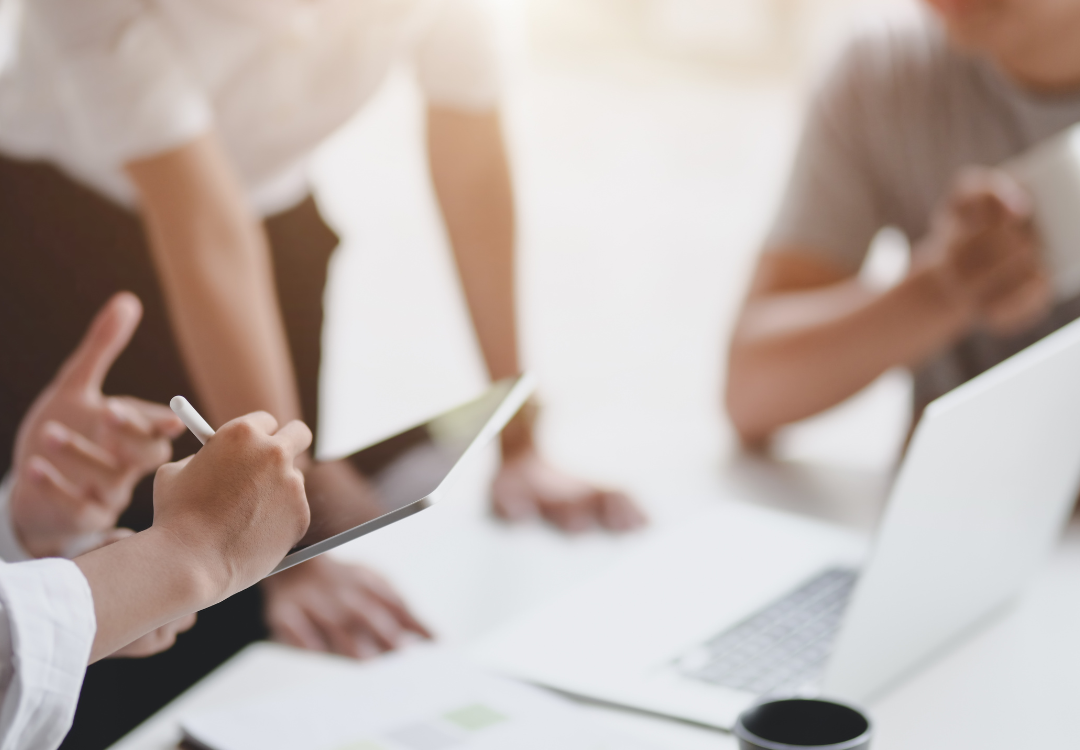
781	648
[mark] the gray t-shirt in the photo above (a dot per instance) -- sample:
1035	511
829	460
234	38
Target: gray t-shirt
899	114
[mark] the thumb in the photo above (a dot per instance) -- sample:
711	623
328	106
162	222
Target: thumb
167	472
107	336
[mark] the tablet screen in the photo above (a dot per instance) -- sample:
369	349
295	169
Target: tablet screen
400	470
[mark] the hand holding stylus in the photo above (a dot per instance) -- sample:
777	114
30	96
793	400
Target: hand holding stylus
223	518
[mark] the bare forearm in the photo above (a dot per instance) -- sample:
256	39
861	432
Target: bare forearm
140	584
213	261
472	183
228	326
797	353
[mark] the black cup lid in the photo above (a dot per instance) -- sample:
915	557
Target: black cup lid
790	723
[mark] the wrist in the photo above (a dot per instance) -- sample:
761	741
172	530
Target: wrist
198	577
519	434
937	294
141	583
34	542
37	546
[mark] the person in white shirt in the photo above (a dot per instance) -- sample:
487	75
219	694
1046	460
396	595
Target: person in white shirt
223	519
160	146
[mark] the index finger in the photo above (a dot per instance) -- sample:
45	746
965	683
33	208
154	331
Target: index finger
156	418
107	336
296	435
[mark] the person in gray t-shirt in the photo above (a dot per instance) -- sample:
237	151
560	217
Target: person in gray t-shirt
905	132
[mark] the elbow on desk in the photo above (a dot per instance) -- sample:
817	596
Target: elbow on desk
746	403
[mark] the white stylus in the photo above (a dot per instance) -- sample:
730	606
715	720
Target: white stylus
194	421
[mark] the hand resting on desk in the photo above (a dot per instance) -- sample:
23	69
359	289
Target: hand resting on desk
331	606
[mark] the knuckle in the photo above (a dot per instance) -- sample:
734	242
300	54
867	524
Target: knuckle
241	429
278	455
295	483
299	500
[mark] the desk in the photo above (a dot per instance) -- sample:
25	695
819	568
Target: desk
1013	684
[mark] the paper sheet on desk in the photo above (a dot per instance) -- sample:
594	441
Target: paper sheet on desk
421	700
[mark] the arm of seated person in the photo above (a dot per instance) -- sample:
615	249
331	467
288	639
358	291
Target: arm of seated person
811	334
223	519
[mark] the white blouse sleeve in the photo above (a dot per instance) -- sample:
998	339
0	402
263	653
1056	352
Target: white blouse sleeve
120	76
458	60
47	628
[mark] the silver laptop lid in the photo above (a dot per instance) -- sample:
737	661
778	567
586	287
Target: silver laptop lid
990	476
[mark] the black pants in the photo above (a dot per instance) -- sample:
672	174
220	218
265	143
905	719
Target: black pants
64	251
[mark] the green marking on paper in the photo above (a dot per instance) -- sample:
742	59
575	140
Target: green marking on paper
475	717
362	745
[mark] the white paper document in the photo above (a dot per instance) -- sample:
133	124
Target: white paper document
421	700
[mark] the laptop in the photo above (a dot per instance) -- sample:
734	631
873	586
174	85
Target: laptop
745	602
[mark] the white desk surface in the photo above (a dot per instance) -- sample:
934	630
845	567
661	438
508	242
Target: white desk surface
1012	684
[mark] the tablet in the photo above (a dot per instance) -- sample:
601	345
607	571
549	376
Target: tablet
404	474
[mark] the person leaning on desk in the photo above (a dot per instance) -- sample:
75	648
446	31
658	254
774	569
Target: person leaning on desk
894	138
222	520
172	137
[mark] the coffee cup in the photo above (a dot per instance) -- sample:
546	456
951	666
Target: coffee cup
802	723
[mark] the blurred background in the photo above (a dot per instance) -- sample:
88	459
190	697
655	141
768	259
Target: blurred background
650	140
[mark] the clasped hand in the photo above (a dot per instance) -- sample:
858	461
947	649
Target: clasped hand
986	253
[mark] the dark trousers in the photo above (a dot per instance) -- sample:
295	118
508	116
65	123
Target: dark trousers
64	251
